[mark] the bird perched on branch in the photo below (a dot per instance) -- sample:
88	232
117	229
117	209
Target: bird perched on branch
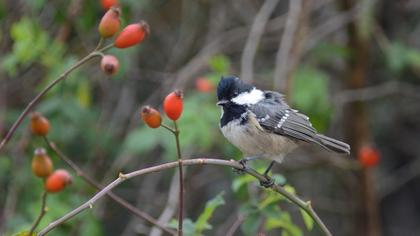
262	125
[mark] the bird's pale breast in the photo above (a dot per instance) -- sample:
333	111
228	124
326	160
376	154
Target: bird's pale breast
252	140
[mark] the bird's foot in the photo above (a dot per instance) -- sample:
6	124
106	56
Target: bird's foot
240	171
243	162
267	183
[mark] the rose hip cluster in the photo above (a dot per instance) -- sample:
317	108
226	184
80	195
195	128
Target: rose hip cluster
131	35
42	166
172	105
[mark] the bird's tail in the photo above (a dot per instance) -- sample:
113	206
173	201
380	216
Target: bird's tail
333	144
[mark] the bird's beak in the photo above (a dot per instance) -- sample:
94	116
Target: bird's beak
222	102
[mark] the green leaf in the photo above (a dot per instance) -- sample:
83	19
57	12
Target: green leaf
271	197
202	221
279	179
307	219
290	189
240	181
251	224
284	222
187	226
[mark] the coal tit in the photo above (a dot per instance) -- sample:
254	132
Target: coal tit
261	124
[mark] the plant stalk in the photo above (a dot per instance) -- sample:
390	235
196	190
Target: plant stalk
181	181
41	214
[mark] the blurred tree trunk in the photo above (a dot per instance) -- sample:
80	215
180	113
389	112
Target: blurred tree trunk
357	128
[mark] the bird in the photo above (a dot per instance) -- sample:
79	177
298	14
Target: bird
262	125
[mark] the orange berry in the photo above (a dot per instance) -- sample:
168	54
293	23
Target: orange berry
204	85
151	117
172	105
106	4
368	156
42	165
110	23
39	124
132	34
57	181
109	64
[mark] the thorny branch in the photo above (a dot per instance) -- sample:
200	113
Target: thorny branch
306	206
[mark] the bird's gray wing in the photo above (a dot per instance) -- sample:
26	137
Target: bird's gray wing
274	115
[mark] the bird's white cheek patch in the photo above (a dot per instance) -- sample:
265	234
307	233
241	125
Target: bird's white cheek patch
252	97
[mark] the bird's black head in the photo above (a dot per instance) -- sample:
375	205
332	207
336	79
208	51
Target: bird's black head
230	87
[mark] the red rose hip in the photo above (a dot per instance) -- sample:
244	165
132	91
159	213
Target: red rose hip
106	4
151	117
173	105
368	156
39	124
110	23
57	181
132	34
41	163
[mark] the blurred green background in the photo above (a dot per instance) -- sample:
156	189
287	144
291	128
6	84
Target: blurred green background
352	66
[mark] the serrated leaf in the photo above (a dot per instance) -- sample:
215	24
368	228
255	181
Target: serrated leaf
307	219
202	221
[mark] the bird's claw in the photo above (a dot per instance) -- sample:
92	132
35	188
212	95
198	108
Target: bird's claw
267	183
242	162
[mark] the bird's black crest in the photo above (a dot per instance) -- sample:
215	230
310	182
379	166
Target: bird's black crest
230	86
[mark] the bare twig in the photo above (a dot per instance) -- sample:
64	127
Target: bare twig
306	206
255	34
286	43
135	211
235	225
35	100
41	214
